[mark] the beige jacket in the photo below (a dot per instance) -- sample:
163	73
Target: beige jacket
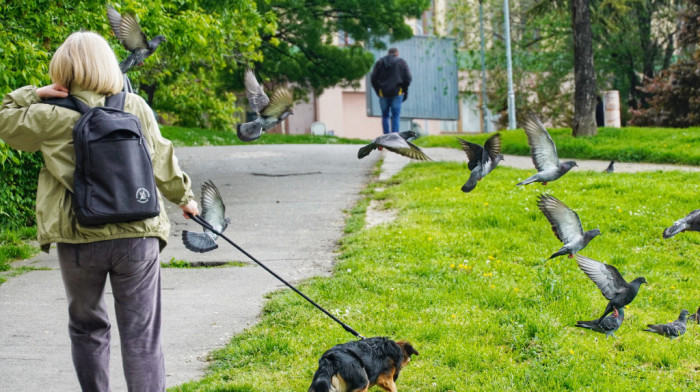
27	124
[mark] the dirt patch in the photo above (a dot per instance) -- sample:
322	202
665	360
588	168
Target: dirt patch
376	215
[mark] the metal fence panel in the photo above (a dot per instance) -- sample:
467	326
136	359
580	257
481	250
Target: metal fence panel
434	91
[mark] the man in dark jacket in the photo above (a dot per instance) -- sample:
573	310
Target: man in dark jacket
390	80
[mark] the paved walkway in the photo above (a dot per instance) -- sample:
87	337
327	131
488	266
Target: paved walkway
286	203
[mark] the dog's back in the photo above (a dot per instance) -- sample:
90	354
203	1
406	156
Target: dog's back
358	365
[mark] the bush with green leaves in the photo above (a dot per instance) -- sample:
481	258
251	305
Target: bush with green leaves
19	172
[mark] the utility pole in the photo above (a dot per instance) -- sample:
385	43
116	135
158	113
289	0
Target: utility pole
484	99
511	94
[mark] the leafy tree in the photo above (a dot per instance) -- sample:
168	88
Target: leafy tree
185	78
629	37
675	92
301	50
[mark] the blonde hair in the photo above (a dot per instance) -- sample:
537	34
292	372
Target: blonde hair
85	60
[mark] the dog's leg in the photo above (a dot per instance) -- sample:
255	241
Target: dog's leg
386	382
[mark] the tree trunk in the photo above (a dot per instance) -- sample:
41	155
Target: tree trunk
584	72
150	90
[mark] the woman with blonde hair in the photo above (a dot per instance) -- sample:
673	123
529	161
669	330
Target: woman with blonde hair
128	253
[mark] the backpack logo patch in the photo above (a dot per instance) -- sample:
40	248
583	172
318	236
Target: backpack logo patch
143	195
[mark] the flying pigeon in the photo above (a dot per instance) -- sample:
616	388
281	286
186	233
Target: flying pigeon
213	211
671	330
482	160
613	286
695	316
566	225
610	168
270	111
608	326
128	32
544	153
690	222
397	142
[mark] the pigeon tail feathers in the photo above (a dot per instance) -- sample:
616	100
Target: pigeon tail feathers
364	151
198	242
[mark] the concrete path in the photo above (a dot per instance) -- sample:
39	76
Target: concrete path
286	204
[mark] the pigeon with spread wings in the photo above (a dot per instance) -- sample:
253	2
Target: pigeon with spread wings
543	153
214	212
689	222
396	142
127	30
270	111
482	160
611	284
566	225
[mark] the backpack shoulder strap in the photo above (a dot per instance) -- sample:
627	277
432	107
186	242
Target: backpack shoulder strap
70	102
116	101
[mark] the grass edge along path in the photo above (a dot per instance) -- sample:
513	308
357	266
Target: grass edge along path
463	278
629	144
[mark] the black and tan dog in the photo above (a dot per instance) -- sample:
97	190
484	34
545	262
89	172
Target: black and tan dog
359	365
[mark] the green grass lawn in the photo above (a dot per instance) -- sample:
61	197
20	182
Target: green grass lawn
14	246
657	145
463	278
181	136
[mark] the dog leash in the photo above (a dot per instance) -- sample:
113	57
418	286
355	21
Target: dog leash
209	227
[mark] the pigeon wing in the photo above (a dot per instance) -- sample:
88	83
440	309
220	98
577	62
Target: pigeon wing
606	277
493	146
131	35
257	98
398	145
115	21
565	222
474	152
280	102
542	148
213	209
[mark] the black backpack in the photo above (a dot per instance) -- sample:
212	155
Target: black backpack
113	180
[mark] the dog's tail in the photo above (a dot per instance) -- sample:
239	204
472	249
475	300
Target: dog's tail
323	376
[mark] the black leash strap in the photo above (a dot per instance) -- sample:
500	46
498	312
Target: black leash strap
209	227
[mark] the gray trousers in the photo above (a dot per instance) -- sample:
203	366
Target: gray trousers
133	268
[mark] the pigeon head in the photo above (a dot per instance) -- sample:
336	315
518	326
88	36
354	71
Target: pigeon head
499	158
157	40
639	281
410	135
684	315
568	165
591	234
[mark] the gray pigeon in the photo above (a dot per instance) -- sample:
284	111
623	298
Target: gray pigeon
671	330
396	142
214	212
690	222
544	153
608	326
482	160
695	317
613	286
611	168
566	225
128	32
270	111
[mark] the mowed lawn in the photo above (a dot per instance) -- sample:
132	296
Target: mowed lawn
629	144
463	278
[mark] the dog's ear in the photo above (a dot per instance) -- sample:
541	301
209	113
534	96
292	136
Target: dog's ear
407	348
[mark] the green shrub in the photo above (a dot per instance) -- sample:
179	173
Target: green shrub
18	179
